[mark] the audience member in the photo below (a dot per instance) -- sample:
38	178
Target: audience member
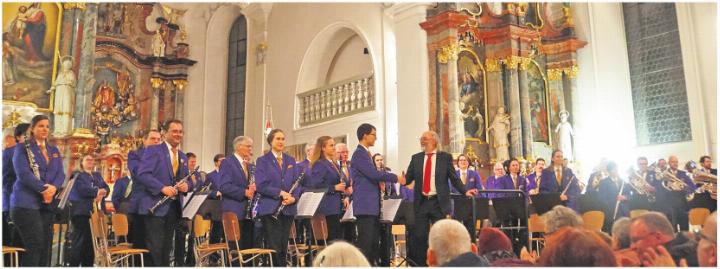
340	254
652	230
449	245
496	248
571	246
559	217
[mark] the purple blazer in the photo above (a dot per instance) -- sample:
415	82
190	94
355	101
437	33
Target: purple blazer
214	179
133	163
84	191
531	182
8	177
232	183
270	179
366	183
325	175
473	181
27	187
548	184
118	194
154	173
407	194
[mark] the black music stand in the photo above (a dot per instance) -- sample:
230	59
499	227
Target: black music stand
406	216
637	201
462	207
703	200
590	202
544	202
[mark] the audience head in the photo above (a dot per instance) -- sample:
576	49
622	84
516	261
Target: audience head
492	239
650	230
707	246
448	239
621	233
340	254
571	246
559	217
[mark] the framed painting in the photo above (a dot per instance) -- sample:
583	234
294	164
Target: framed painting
472	85
31	38
538	93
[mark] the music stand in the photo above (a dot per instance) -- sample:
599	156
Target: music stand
703	200
590	202
462	207
639	202
211	209
544	202
406	216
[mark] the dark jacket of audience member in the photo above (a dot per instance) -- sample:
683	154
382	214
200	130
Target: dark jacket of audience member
468	259
576	247
683	247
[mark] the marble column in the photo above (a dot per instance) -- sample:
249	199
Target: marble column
495	94
155	105
86	80
556	95
456	129
514	110
525	119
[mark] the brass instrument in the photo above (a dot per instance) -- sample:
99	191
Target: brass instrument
707	181
294	186
595	183
641	186
672	183
165	198
256	197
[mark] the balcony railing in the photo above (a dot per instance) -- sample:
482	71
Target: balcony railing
337	100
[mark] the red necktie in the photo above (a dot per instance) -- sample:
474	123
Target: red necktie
426	178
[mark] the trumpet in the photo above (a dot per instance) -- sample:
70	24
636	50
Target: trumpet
165	198
638	183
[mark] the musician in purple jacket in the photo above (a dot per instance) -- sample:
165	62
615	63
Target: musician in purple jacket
470	178
366	192
160	167
89	188
275	174
493	182
326	175
673	203
513	180
234	184
533	177
9	233
557	179
31	196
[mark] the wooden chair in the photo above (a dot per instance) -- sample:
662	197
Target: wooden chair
697	217
231	226
299	251
593	220
398	231
637	212
105	255
536	225
13	252
120	229
203	249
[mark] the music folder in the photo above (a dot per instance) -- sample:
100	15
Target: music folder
389	209
308	204
349	216
544	202
191	207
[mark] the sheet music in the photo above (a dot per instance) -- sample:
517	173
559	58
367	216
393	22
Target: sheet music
194	205
309	203
389	209
349	216
185	199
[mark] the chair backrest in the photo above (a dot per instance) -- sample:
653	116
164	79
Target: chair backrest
637	212
536	224
98	230
319	229
697	216
198	229
593	220
119	224
231	226
398	230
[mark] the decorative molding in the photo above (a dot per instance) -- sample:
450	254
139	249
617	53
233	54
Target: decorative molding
554	74
80	6
492	65
448	53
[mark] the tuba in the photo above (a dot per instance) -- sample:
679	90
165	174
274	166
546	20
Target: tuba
672	183
707	181
638	183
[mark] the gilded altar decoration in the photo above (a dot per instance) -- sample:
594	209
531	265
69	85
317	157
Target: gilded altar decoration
554	74
111	107
448	53
80	6
492	65
31	38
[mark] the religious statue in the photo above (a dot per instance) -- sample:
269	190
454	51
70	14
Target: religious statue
64	88
158	45
105	98
500	128
565	133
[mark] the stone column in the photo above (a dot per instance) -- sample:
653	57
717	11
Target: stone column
525	118
155	105
514	109
85	79
556	95
456	128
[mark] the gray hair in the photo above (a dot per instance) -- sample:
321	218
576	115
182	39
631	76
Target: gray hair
561	216
339	145
340	254
241	139
621	232
656	222
448	239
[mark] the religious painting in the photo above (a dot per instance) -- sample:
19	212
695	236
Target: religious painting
537	89
31	35
472	87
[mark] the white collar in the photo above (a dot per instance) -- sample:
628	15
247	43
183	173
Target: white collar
169	147
276	154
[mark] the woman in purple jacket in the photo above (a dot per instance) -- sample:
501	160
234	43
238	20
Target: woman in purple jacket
326	175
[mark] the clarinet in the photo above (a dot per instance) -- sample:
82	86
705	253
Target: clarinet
165	198
343	178
256	196
292	188
33	164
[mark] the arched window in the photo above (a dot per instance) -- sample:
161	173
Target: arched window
237	64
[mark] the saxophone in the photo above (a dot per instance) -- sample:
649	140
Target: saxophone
641	186
34	165
256	197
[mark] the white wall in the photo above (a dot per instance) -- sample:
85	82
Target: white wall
349	61
605	124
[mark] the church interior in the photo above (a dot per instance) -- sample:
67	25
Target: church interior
600	81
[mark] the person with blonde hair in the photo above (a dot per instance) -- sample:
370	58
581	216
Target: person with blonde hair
340	254
449	245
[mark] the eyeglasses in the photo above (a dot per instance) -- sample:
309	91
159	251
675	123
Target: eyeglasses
640	238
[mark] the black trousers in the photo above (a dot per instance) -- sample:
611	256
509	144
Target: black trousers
386	242
35	228
159	235
675	206
81	247
333	227
303	231
368	234
349	231
277	233
136	235
428	212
